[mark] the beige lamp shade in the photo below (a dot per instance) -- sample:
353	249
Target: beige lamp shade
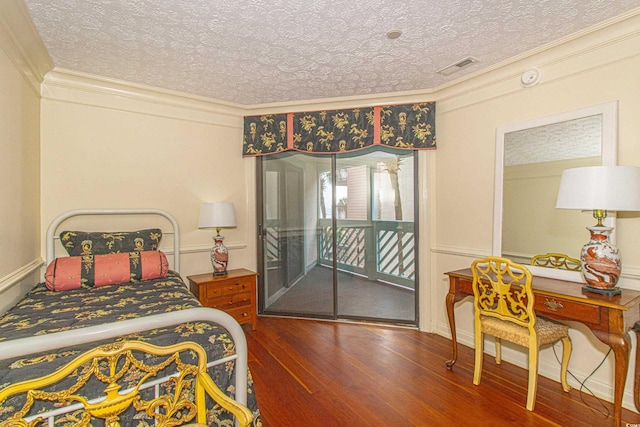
217	215
611	188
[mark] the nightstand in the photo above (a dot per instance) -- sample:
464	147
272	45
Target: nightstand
234	293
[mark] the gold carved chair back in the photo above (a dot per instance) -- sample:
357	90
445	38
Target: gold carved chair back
504	308
502	289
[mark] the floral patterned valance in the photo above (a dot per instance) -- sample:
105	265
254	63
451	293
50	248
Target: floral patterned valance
408	126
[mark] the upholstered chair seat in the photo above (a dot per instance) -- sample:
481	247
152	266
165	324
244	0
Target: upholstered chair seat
548	331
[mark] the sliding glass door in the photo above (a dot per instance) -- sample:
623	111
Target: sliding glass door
289	233
337	236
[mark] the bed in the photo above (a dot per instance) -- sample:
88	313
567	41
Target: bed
131	347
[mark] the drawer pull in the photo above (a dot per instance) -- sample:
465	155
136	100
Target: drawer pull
553	305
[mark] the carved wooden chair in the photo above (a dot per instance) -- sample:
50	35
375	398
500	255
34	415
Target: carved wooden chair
124	367
504	302
557	261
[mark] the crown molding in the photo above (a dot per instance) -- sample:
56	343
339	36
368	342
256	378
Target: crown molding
373	100
87	89
20	40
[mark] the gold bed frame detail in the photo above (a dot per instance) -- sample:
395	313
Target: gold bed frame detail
118	359
557	261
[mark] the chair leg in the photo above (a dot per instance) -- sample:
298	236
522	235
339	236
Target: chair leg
533	377
498	351
477	370
567	347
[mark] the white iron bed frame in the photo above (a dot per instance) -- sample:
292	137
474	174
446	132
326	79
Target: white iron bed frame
42	343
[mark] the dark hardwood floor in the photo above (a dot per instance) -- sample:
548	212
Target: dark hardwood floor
314	373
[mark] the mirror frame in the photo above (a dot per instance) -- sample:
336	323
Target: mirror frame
609	112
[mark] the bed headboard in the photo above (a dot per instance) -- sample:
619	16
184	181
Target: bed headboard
55	224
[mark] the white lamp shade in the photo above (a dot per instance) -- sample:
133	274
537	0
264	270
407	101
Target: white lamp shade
612	188
217	215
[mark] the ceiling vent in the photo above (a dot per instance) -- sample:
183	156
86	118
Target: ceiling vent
447	71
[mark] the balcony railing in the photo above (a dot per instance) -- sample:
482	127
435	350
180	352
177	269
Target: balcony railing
379	250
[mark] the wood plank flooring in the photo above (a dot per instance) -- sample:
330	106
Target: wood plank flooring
314	373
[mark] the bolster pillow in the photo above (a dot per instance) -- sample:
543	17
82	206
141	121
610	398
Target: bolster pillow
99	270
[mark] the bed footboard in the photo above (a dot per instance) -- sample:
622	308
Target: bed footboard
75	337
118	364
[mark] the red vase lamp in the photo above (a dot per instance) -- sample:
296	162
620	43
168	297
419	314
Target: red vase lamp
218	215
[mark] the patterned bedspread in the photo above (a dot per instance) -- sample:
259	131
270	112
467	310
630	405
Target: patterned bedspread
43	311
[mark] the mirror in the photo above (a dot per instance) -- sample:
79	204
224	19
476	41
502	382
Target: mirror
530	158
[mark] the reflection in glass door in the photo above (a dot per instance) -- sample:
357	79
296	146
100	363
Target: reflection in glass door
360	208
290	231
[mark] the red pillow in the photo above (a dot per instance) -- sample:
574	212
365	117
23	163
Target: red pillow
99	270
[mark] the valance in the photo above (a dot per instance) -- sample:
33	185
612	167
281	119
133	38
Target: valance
407	126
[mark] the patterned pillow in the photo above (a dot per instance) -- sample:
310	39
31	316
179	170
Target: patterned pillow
99	270
80	243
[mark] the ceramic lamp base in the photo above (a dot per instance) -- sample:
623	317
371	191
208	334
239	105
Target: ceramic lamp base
600	262
219	257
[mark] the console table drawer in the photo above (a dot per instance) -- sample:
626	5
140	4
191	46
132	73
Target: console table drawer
568	310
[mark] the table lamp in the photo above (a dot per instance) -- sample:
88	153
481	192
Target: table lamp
600	189
218	215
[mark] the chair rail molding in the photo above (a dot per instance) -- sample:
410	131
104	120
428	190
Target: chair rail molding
16	276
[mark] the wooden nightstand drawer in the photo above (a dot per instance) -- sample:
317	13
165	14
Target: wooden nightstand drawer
234	293
241	314
238	285
212	291
235	300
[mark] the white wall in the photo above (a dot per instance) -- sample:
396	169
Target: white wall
599	67
109	146
21	67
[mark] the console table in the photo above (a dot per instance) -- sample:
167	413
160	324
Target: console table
609	318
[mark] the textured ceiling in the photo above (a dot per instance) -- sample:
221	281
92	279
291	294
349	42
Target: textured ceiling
257	51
